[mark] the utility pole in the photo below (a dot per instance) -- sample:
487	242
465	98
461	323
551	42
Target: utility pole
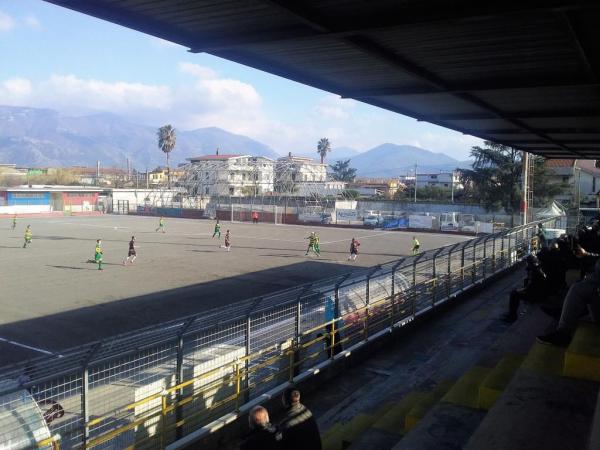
452	184
525	188
415	183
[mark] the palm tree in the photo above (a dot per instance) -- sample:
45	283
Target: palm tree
166	142
323	147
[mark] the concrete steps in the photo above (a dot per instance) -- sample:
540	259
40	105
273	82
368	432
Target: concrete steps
497	379
582	358
551	401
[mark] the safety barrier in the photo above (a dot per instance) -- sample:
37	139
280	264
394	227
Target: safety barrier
152	387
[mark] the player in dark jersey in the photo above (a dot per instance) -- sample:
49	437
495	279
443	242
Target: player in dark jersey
353	249
131	255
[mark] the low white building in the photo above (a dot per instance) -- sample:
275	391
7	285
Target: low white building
443	180
295	174
238	175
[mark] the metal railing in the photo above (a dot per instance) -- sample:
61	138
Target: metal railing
151	387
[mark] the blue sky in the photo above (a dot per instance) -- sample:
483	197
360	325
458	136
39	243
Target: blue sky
56	58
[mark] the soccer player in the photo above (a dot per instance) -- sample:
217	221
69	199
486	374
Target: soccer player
161	225
416	245
227	245
317	244
217	229
312	244
98	254
254	217
14	225
353	249
28	236
131	255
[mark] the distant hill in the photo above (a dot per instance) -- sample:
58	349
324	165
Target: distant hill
389	160
44	137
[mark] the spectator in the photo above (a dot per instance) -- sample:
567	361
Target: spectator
535	289
298	428
582	296
263	435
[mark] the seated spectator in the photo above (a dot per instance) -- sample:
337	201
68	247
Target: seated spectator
298	428
535	289
263	435
554	265
582	296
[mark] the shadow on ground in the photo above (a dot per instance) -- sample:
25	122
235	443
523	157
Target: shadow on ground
63	330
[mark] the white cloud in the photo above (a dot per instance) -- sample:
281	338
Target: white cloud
162	43
7	23
32	22
333	107
204	98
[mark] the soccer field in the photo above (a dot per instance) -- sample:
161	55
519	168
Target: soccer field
53	298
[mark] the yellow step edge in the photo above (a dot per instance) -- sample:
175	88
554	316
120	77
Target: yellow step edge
332	439
497	380
582	358
545	359
393	420
421	407
465	392
356	427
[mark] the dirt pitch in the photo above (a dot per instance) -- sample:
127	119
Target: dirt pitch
52	298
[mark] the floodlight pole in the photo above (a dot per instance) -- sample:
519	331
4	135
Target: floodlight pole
415	183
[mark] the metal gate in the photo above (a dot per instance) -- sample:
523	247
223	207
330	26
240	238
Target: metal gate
122	206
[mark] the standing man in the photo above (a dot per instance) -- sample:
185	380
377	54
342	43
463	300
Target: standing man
415	245
254	217
217	231
131	255
298	428
161	224
28	236
227	245
98	254
312	244
353	249
14	224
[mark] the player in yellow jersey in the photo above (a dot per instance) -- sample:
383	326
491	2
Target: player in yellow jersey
98	254
28	236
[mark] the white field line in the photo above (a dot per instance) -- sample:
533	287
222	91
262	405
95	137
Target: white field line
18	344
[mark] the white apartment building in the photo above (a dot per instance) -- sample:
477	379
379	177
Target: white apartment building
295	173
443	180
238	175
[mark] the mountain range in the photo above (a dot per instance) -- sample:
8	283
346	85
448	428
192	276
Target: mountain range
34	137
43	137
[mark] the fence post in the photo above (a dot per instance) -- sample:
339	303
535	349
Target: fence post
85	407
85	389
336	313
179	376
474	262
462	268
247	365
368	299
392	305
493	253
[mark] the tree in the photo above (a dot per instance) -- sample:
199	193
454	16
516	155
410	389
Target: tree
494	179
166	142
343	172
323	147
544	189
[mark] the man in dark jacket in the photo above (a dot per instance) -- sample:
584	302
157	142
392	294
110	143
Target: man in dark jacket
535	289
298	428
263	435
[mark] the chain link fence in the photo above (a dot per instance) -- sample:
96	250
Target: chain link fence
149	388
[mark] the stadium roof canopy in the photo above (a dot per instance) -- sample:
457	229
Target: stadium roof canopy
523	73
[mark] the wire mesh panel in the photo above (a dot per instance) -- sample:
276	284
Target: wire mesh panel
271	332
212	358
138	379
60	402
148	388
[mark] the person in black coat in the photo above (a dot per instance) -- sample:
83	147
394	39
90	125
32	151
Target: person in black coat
535	289
263	435
298	428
